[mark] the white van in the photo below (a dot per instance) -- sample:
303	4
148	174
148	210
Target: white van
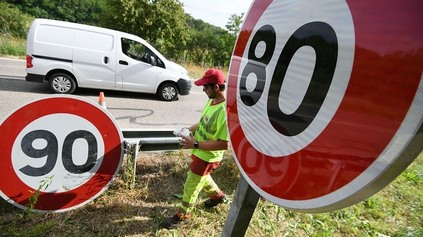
70	55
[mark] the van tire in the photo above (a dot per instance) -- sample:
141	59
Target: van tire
168	91
62	83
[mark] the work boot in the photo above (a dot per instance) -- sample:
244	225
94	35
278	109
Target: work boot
209	203
175	221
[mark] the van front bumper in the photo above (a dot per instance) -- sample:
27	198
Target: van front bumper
34	77
184	86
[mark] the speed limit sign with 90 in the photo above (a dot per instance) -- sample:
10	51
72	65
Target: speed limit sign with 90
325	99
66	149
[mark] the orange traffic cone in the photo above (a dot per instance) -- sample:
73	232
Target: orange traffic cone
101	100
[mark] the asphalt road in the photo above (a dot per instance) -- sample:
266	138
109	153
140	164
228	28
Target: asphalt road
131	110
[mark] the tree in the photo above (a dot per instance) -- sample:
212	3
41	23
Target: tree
234	24
208	45
13	21
160	22
163	23
80	11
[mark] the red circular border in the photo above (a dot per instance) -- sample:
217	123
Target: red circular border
367	118
19	192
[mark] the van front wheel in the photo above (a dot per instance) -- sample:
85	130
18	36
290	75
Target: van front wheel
62	83
168	92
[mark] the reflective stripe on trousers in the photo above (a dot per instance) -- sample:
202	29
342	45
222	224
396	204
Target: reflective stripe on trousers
198	179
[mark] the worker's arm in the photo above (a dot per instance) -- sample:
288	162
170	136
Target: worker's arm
188	143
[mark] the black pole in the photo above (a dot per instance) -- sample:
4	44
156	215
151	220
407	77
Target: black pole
242	209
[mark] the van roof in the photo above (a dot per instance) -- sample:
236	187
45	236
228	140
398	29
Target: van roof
41	21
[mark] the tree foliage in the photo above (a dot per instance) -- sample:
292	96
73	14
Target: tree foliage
160	22
13	21
163	23
80	11
210	45
234	23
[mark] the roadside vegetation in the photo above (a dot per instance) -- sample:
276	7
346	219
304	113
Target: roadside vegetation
396	210
12	47
162	23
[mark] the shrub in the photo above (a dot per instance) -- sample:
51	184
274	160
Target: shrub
13	21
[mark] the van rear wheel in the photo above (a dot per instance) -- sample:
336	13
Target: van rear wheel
168	92
62	83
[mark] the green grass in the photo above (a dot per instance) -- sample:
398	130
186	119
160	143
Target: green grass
396	210
12	46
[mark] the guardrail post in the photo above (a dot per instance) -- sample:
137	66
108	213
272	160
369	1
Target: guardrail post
146	140
132	149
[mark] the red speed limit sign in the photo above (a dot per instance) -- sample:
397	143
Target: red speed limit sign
325	99
66	148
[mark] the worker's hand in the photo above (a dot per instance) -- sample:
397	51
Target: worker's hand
183	132
187	142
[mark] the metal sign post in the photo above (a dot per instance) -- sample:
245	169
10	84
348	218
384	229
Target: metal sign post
242	209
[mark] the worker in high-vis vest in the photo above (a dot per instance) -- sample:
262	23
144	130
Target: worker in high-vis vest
209	141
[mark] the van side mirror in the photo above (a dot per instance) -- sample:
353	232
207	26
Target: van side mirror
153	60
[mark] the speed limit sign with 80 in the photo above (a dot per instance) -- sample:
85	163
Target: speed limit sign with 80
325	99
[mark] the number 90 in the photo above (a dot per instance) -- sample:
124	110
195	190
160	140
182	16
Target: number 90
51	151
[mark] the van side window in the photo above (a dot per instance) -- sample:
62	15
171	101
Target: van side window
140	52
130	48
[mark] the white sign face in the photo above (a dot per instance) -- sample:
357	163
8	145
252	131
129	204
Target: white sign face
70	154
66	148
295	83
324	99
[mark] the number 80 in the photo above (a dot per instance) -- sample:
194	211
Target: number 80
318	35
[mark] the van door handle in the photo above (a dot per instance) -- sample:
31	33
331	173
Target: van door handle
123	62
106	60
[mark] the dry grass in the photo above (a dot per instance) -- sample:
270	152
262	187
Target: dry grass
123	212
196	71
396	210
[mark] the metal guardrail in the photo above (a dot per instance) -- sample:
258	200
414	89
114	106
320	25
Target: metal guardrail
137	140
152	140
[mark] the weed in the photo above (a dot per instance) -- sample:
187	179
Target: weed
44	184
128	175
413	176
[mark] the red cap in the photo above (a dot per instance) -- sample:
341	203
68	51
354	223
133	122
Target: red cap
212	76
